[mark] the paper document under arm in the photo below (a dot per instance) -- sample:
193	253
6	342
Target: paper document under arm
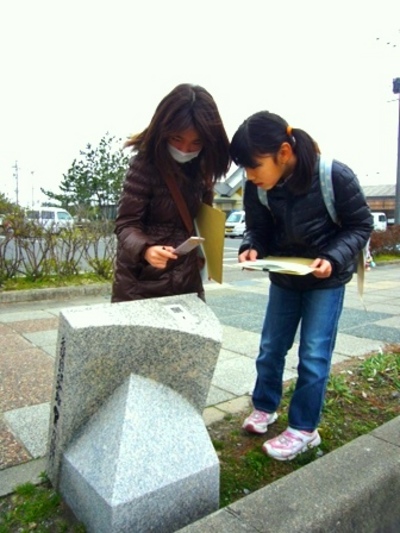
210	224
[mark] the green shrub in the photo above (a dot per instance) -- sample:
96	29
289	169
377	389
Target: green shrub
386	242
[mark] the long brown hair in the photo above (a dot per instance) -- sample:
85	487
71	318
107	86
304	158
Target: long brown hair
186	106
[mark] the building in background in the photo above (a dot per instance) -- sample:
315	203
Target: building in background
381	198
228	195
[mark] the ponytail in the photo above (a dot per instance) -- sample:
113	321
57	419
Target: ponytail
306	150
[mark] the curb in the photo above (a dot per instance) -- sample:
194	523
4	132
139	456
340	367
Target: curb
354	488
29	472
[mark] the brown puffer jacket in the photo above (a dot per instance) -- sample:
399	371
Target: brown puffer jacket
147	216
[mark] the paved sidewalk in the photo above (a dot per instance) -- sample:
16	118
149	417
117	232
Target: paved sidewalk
28	336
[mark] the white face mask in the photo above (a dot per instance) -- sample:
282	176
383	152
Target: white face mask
182	157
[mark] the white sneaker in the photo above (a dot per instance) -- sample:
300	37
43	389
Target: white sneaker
290	443
259	421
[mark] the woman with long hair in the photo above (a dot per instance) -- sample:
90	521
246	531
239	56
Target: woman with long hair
186	142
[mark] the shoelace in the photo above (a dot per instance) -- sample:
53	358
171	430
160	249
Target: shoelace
259	415
288	438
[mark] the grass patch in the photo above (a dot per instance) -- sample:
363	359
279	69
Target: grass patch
36	508
383	258
362	394
50	282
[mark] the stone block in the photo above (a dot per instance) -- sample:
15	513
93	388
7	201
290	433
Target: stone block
144	462
127	441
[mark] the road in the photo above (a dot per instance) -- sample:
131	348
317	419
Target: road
231	272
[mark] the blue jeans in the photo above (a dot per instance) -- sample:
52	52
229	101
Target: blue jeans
319	312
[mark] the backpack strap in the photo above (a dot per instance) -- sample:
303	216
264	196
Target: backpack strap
328	194
325	179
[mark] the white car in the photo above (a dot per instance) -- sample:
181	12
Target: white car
235	224
53	219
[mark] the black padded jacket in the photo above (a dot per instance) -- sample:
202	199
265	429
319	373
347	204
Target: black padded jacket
300	226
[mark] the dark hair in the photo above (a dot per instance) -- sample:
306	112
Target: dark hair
263	133
186	106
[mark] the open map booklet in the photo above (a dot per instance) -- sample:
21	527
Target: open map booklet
298	266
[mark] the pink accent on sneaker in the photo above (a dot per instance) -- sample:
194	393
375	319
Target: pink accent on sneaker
290	443
259	421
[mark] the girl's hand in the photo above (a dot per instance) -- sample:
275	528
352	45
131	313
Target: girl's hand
248	255
158	256
323	268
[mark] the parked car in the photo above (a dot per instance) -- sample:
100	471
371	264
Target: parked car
380	221
52	219
235	224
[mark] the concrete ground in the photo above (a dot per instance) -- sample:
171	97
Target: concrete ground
28	336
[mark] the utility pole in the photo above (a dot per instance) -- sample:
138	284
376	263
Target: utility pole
396	90
15	167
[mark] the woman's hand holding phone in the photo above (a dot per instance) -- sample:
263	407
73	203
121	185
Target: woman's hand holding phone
158	256
188	245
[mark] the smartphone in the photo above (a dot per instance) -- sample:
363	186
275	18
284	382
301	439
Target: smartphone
188	245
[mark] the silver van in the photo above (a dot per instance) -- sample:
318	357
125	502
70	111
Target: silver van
235	224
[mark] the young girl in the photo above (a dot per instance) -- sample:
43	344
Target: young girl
185	141
284	161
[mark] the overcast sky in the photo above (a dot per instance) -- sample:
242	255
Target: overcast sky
72	71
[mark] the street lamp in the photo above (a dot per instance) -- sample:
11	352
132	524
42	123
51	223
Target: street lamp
396	90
